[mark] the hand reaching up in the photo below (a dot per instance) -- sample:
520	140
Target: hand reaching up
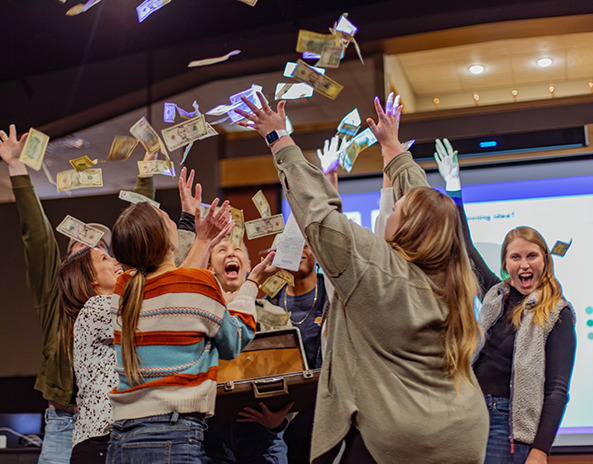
10	151
448	164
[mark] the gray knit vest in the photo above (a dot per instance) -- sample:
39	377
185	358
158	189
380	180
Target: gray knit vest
529	361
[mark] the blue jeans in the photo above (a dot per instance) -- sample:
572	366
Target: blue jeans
57	440
244	443
165	439
498	450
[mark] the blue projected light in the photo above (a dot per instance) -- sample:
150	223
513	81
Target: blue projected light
488	144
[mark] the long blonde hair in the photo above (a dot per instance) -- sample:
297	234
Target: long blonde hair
140	241
430	236
549	290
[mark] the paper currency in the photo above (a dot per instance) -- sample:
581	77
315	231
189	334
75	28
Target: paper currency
80	231
146	134
222	109
560	248
272	286
34	149
146	8
350	124
209	61
323	84
82	163
290	248
309	41
73	179
249	2
81	7
293	91
183	134
287	276
134	197
210	132
311	56
148	168
169	112
50	179
261	203
291	66
331	56
264	226
189	114
270	316
251	95
121	148
359	143
345	30
238	231
186	152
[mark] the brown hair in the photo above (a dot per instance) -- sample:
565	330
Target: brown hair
141	241
549	290
75	286
430	236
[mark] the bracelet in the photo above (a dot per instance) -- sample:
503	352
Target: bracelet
251	280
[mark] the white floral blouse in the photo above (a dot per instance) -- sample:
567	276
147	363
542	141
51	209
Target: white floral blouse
94	367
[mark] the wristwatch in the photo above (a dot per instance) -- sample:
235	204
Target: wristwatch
275	135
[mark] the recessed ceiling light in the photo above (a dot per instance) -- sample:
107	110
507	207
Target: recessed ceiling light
544	62
476	69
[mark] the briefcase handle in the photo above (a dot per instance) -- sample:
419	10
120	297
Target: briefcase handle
269	393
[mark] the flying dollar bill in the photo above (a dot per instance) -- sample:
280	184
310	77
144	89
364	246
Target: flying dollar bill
73	179
331	55
121	148
264	226
148	168
359	143
81	7
82	163
293	91
134	197
79	231
169	112
350	124
249	2
238	231
560	248
323	84
34	149
148	7
309	41
285	275
185	133
249	94
272	286
146	134
209	61
261	203
291	66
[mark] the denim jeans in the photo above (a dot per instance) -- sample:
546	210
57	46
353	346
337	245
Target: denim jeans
244	443
498	450
165	439
57	440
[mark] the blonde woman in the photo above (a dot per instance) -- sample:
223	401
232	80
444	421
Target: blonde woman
396	384
171	325
525	361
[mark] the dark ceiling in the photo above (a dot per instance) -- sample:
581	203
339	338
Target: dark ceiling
54	67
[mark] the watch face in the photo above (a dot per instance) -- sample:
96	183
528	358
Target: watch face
272	137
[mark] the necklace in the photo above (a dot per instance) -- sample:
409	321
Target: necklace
308	312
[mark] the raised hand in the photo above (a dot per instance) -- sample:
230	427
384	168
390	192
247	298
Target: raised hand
214	224
386	130
189	203
448	164
264	269
10	150
329	158
264	120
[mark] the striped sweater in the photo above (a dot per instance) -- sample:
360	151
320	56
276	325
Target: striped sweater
183	329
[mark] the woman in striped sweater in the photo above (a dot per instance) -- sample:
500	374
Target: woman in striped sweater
171	326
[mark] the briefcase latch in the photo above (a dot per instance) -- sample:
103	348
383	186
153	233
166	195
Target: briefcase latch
229	385
265	388
308	374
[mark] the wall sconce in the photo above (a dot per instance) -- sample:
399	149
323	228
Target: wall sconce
436	102
591	86
551	89
476	97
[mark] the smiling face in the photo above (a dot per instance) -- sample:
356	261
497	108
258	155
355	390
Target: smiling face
229	264
525	264
107	269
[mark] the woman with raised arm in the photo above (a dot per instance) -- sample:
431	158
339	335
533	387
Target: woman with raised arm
525	361
396	383
171	325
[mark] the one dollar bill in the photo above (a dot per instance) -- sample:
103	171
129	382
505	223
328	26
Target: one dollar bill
323	84
148	168
80	231
146	134
134	197
73	179
82	163
264	226
34	149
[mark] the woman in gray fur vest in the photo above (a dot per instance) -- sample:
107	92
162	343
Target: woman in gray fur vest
525	360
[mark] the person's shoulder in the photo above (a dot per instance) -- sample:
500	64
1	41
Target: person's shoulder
191	274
